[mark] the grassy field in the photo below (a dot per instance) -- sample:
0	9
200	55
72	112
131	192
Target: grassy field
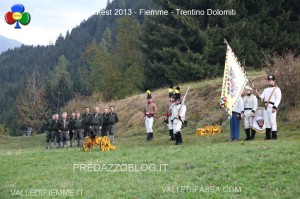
203	167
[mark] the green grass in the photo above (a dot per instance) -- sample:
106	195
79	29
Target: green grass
203	167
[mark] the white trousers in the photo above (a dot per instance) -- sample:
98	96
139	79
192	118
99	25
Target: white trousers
170	125
248	119
177	125
270	118
149	124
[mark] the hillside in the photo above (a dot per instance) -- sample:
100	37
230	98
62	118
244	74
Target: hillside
202	106
8	44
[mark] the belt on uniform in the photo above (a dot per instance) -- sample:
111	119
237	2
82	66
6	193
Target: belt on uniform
248	109
270	103
149	115
235	112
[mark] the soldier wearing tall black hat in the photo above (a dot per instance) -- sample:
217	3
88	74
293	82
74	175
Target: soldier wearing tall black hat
271	97
150	109
178	116
168	114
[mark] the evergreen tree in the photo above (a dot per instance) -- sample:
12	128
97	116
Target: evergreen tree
128	56
60	84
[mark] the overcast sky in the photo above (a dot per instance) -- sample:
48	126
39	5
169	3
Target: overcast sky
49	18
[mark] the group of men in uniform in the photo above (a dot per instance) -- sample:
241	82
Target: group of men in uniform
92	124
174	117
247	106
77	127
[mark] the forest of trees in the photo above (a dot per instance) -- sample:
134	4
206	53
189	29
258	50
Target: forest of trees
118	56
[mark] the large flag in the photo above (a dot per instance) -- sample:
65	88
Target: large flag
234	81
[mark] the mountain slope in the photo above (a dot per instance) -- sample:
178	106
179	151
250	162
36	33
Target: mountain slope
16	64
202	106
8	44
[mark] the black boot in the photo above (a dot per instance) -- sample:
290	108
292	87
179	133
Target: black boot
148	137
268	134
253	132
151	135
176	138
247	134
274	135
172	135
179	138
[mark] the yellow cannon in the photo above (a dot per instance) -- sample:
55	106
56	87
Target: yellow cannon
209	130
201	131
90	141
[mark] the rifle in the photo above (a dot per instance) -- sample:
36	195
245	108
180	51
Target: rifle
184	123
183	100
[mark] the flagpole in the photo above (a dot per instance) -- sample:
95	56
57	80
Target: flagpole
225	41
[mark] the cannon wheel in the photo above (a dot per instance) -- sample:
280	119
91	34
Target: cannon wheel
98	140
86	144
105	144
209	130
217	129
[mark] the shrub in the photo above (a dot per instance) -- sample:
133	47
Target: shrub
286	69
3	130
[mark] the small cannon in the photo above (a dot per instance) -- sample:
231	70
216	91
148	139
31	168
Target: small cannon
209	130
103	142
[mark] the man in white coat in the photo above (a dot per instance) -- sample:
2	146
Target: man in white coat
271	96
178	118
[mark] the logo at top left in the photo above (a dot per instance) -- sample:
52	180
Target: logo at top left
17	15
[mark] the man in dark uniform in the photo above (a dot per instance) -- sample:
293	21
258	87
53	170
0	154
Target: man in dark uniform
87	119
71	132
64	127
55	130
78	129
49	132
104	131
112	119
96	122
